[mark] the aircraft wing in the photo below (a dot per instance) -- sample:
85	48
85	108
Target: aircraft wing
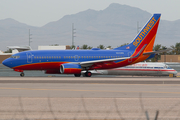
89	63
156	52
104	60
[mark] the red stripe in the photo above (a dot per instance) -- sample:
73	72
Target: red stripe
40	66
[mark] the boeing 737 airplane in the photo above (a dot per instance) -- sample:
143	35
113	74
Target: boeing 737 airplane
75	61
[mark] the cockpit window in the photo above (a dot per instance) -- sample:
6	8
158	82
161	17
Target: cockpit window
14	57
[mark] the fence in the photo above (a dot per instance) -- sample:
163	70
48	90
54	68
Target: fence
18	108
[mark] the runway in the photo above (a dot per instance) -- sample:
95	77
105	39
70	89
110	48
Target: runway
95	87
89	98
103	80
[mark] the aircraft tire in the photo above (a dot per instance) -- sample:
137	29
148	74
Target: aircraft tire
77	75
88	74
22	74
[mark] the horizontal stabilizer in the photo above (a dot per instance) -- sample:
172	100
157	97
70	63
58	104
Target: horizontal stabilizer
156	52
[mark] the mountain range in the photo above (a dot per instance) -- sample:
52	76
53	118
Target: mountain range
113	26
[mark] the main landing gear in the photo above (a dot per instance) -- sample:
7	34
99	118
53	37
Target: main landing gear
77	75
87	74
22	74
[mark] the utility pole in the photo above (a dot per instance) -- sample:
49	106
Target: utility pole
30	37
73	32
138	27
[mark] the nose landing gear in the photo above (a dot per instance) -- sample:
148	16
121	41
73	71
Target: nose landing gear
22	74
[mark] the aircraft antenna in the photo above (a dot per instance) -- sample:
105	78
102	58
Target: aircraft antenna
30	37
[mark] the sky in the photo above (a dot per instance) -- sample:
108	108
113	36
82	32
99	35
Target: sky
40	12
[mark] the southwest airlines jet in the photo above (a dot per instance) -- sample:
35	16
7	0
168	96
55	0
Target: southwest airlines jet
75	61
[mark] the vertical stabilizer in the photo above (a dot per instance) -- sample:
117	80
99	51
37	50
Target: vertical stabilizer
146	36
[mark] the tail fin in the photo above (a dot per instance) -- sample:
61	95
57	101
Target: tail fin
146	36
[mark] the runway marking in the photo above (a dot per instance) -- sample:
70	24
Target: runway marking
92	90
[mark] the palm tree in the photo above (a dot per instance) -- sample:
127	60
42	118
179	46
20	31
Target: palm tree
176	49
84	46
73	47
101	46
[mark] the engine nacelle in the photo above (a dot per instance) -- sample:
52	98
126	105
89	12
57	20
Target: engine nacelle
70	69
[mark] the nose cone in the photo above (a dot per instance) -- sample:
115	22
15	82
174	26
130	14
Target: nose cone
175	73
6	63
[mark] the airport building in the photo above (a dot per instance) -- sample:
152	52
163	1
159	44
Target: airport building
169	58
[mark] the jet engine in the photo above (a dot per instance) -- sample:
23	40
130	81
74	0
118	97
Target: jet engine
70	69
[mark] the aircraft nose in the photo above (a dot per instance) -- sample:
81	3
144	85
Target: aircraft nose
6	63
175	72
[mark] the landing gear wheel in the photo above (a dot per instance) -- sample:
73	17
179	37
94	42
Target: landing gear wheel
88	74
77	75
22	74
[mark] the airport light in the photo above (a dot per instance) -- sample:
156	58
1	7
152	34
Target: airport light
30	37
73	32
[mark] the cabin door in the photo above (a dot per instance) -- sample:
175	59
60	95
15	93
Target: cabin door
29	57
129	55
